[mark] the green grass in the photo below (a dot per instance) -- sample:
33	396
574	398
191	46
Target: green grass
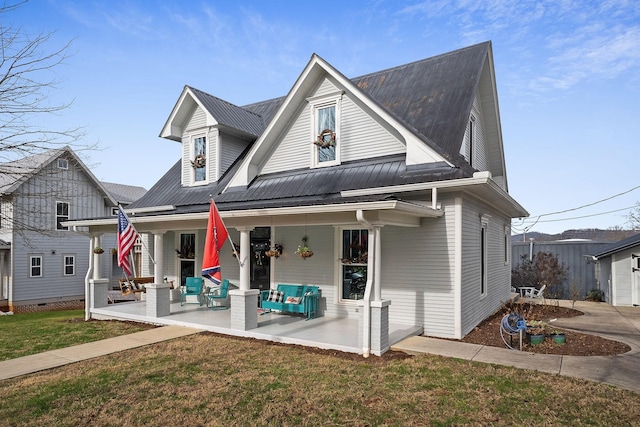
209	379
25	334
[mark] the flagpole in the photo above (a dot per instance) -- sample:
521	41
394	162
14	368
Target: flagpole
141	241
240	263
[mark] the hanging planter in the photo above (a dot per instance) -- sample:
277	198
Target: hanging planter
276	251
236	250
303	250
98	250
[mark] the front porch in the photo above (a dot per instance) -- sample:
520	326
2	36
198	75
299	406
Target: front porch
329	333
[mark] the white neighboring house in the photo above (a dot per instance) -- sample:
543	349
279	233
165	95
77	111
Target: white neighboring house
397	178
43	262
618	271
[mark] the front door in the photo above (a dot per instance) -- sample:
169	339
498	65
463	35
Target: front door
260	262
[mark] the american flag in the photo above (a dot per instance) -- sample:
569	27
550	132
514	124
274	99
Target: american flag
127	236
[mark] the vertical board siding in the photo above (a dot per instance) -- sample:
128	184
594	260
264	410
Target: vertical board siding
580	274
360	136
35	205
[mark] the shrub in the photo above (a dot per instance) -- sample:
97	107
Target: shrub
543	269
595	295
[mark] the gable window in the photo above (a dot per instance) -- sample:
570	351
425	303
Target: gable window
35	266
471	131
199	161
326	130
69	268
63	164
62	214
353	260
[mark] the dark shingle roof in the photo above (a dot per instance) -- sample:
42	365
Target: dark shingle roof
124	193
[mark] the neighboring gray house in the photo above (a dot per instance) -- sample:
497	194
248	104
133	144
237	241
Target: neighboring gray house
397	178
618	271
42	262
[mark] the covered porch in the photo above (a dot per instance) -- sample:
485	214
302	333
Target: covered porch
327	332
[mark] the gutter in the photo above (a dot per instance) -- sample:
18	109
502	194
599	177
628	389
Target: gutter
366	315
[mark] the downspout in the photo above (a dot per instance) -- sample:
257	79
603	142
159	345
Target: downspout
366	315
87	284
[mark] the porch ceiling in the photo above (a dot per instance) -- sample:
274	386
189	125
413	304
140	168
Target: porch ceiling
387	212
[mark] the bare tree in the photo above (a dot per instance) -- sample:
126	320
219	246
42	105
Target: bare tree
633	218
27	81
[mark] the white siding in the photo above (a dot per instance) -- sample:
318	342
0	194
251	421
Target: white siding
197	127
477	307
418	273
360	137
230	148
621	277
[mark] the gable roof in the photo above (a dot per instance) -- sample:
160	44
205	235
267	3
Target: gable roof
124	194
620	246
13	174
428	103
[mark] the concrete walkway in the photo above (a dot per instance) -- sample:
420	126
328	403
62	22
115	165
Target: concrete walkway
616	323
54	358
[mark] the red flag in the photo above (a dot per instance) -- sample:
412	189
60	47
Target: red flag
216	236
127	236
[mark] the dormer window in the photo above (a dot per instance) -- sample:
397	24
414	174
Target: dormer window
325	130
199	159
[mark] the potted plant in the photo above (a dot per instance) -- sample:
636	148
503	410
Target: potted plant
276	251
98	250
303	250
558	336
535	332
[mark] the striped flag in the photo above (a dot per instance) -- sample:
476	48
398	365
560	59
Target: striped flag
216	236
127	236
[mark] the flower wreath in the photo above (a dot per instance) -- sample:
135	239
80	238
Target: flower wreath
199	162
322	141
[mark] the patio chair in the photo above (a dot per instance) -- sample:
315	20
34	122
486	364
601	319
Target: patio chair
218	295
193	287
535	293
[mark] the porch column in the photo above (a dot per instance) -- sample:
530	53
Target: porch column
97	265
96	295
157	299
244	301
158	250
379	327
377	266
245	262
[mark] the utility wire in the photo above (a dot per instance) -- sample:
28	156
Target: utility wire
581	207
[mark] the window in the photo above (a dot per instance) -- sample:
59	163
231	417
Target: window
35	264
507	244
353	260
483	254
62	214
63	164
199	161
326	130
69	265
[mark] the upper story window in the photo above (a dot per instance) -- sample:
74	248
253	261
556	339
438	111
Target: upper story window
62	214
199	160
326	130
63	164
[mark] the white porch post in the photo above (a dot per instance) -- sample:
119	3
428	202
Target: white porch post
158	301
96	295
245	262
158	249
377	266
244	301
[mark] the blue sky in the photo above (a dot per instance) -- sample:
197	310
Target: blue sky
568	75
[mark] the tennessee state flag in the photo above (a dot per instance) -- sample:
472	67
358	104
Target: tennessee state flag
216	236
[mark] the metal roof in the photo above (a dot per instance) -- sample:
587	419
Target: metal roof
432	97
620	246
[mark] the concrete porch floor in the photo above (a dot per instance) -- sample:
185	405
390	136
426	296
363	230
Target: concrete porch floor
330	333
